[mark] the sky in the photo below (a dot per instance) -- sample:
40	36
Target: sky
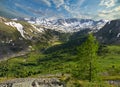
84	9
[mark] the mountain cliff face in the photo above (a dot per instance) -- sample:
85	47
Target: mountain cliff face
110	33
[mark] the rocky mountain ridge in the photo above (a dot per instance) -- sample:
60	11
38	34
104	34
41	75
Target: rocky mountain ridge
66	25
110	33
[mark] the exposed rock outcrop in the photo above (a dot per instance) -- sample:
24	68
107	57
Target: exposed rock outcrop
33	82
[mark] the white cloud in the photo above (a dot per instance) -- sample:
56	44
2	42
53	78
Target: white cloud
82	16
117	8
80	2
19	5
105	11
75	9
111	10
107	17
75	12
113	13
107	3
67	8
47	2
58	3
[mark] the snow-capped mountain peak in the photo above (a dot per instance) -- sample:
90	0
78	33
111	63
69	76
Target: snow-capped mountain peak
67	25
70	25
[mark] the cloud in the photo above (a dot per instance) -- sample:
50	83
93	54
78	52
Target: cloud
34	11
107	3
19	5
58	3
107	17
117	9
100	9
112	13
111	10
83	16
75	10
80	2
29	9
46	2
76	13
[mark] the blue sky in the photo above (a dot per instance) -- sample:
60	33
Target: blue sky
90	9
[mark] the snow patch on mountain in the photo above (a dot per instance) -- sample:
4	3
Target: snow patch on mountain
18	26
38	29
118	35
109	22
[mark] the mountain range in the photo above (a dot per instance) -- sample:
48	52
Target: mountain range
31	46
66	25
21	34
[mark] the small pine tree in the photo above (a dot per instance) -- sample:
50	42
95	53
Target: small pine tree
87	60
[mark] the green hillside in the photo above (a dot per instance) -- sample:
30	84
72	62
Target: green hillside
59	59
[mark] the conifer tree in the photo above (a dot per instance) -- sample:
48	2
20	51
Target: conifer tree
87	60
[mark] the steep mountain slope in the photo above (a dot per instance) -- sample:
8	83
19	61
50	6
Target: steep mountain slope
17	36
110	33
10	39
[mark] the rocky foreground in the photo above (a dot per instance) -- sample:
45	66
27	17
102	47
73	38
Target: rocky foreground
33	82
